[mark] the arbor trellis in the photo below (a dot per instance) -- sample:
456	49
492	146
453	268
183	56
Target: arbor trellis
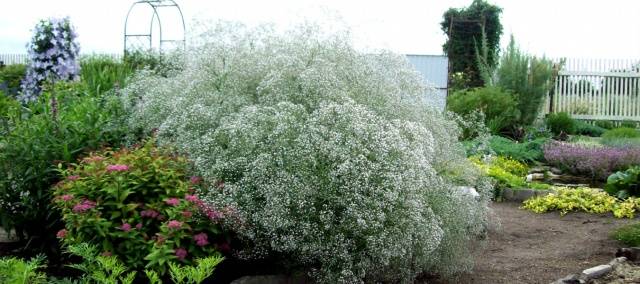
140	40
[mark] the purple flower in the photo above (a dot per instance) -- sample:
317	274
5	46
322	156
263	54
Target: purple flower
597	162
139	226
173	201
117	168
181	253
201	239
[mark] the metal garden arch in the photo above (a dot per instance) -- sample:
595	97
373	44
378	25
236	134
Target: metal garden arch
155	5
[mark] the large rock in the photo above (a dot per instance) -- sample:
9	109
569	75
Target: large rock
597	271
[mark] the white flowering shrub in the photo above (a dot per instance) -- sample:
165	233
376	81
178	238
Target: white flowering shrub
330	156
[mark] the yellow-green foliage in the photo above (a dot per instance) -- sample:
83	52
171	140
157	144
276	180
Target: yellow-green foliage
583	199
507	172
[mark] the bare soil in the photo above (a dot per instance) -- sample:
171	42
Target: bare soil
540	248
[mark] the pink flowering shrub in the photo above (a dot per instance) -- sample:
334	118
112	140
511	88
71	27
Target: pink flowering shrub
141	206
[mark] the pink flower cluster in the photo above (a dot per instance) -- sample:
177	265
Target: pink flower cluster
62	233
181	253
83	206
201	239
66	197
93	159
74	177
195	180
126	227
117	168
174	224
212	214
149	213
173	201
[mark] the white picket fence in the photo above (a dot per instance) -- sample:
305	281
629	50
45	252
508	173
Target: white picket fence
597	89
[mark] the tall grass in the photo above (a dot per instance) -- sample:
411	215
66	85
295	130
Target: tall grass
102	73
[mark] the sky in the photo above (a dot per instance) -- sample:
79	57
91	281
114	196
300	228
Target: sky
555	28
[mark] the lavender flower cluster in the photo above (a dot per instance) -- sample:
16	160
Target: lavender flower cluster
597	162
53	55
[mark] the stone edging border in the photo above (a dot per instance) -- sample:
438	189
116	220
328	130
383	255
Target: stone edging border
591	273
523	194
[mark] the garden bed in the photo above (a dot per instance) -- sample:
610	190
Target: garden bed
539	248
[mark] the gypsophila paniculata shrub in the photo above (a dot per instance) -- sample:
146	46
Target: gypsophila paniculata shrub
330	155
53	55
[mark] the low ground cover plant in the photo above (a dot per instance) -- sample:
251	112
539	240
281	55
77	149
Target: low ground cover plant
621	137
139	205
628	235
330	156
588	200
527	152
585	128
595	162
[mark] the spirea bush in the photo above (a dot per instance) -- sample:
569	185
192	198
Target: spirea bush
53	55
139	205
331	156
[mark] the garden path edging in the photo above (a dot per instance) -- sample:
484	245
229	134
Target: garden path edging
523	194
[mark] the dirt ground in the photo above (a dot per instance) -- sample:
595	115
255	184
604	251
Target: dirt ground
540	248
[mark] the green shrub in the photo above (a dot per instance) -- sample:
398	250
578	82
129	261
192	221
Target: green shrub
499	107
623	184
621	137
628	124
10	78
584	128
529	79
44	137
310	139
102	73
138	205
10	113
606	124
508	173
622	132
561	122
526	152
628	234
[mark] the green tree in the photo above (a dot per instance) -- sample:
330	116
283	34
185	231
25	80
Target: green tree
464	29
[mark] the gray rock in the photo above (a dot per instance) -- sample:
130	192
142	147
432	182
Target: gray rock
507	194
469	191
537	170
6	237
597	271
569	279
617	261
542	192
632	254
535	176
555	171
523	194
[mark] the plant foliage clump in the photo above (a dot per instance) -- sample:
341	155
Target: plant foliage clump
588	200
331	156
499	107
53	55
466	28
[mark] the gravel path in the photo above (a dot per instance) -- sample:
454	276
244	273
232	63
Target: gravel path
540	248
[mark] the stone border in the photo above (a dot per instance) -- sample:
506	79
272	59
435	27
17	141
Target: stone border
520	195
591	273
